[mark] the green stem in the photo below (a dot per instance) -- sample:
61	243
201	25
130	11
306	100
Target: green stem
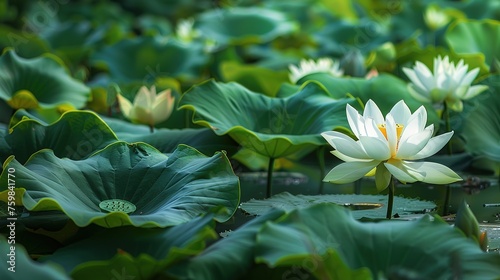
391	199
357	186
270	168
446	118
446	200
321	160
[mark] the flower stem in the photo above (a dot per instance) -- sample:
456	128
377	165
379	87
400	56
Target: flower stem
446	200
446	118
391	199
321	160
151	128
270	168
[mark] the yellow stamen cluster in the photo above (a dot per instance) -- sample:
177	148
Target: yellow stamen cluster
399	130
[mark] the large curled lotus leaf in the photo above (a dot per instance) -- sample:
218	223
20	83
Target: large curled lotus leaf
166	140
128	184
364	206
475	36
229	258
426	248
40	82
23	266
149	58
481	130
273	127
243	25
385	90
76	135
138	253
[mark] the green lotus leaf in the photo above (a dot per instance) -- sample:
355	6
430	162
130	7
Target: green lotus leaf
84	133
166	140
475	37
128	184
229	258
23	267
482	128
273	127
26	46
365	206
254	78
243	25
133	252
149	58
427	248
39	82
73	41
385	90
337	37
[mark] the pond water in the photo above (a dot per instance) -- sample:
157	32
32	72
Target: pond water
305	180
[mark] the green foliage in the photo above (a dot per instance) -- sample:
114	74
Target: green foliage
268	126
165	190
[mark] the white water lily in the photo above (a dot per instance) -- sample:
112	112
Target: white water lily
393	145
148	107
306	67
449	83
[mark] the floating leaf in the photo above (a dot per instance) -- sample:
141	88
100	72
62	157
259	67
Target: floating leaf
273	127
243	25
134	252
148	58
427	248
84	133
165	190
475	37
41	82
365	206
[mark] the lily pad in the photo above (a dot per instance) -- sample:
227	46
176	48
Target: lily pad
40	82
427	248
22	266
476	37
364	206
134	252
243	25
84	133
166	191
273	127
149	58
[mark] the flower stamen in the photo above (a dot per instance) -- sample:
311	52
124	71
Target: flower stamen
399	130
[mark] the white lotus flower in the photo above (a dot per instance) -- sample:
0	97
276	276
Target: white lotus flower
185	30
449	83
392	145
306	67
435	17
148	108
